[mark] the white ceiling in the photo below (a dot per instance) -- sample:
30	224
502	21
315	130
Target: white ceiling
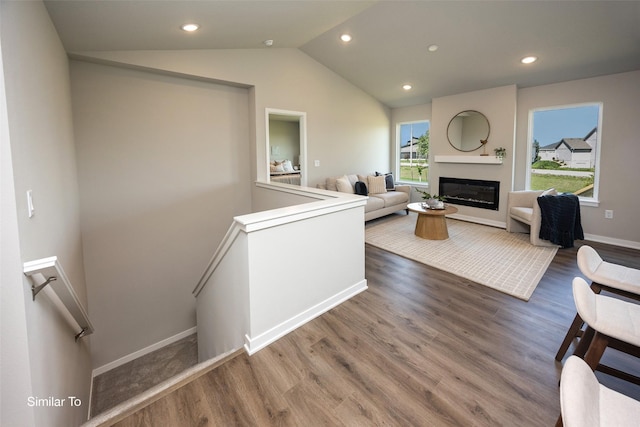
480	42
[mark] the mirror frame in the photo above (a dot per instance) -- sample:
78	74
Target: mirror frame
481	143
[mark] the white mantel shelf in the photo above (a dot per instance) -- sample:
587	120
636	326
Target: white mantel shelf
483	160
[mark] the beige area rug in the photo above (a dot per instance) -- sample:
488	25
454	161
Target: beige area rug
486	255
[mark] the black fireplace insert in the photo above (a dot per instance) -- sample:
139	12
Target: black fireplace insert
470	192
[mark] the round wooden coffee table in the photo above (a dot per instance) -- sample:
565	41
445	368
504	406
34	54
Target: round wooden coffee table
431	223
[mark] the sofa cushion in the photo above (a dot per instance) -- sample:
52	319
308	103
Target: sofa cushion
522	214
388	179
391	198
391	183
361	188
376	184
374	203
330	183
353	178
344	186
276	166
287	166
549	192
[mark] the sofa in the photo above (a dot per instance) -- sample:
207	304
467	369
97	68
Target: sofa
385	197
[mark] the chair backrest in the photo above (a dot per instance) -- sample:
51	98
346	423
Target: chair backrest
585	300
579	394
588	261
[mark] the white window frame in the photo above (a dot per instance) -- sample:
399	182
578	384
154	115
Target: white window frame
585	201
398	153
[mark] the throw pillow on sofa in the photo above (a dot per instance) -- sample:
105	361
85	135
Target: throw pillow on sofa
343	185
376	184
361	188
388	179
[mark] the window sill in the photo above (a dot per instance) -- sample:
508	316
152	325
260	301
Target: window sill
590	202
413	183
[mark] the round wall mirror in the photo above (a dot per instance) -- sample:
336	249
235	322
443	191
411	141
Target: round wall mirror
468	130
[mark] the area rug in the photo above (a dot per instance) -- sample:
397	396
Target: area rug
490	256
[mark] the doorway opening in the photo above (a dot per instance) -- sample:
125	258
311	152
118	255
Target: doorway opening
286	146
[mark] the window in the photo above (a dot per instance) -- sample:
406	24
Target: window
412	152
565	149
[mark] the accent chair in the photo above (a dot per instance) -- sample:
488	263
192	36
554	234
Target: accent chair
524	215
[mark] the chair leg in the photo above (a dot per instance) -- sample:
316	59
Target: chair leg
596	350
585	342
559	421
573	332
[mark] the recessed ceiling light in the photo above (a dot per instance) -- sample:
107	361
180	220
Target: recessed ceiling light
432	47
406	87
529	59
345	38
190	27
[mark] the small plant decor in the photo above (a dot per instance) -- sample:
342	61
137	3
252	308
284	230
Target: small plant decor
428	196
501	152
431	201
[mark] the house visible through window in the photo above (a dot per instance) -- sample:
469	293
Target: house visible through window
564	149
413	152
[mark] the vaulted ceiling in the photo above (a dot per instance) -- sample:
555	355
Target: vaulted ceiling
480	43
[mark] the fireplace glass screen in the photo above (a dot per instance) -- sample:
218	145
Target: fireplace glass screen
470	192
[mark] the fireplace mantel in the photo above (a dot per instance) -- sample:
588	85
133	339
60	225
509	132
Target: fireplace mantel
483	160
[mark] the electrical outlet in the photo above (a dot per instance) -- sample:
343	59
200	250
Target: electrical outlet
608	214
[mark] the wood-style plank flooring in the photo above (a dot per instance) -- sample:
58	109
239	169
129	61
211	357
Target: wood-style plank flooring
420	347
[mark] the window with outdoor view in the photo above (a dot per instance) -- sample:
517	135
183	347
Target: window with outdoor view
564	148
413	152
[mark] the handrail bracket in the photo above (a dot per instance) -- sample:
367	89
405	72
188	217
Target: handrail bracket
35	289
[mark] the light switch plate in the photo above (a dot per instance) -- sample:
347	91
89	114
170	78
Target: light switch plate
30	207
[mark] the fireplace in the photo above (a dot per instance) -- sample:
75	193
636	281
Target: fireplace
470	192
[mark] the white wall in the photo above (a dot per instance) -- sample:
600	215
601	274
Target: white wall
620	150
140	281
271	274
43	159
164	166
320	265
347	130
284	139
266	197
499	106
620	95
15	373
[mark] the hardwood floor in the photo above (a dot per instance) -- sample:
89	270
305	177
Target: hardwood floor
420	347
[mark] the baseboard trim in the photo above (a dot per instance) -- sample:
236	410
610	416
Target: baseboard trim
253	344
612	241
592	237
136	354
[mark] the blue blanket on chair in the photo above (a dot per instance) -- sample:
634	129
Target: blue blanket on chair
560	219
